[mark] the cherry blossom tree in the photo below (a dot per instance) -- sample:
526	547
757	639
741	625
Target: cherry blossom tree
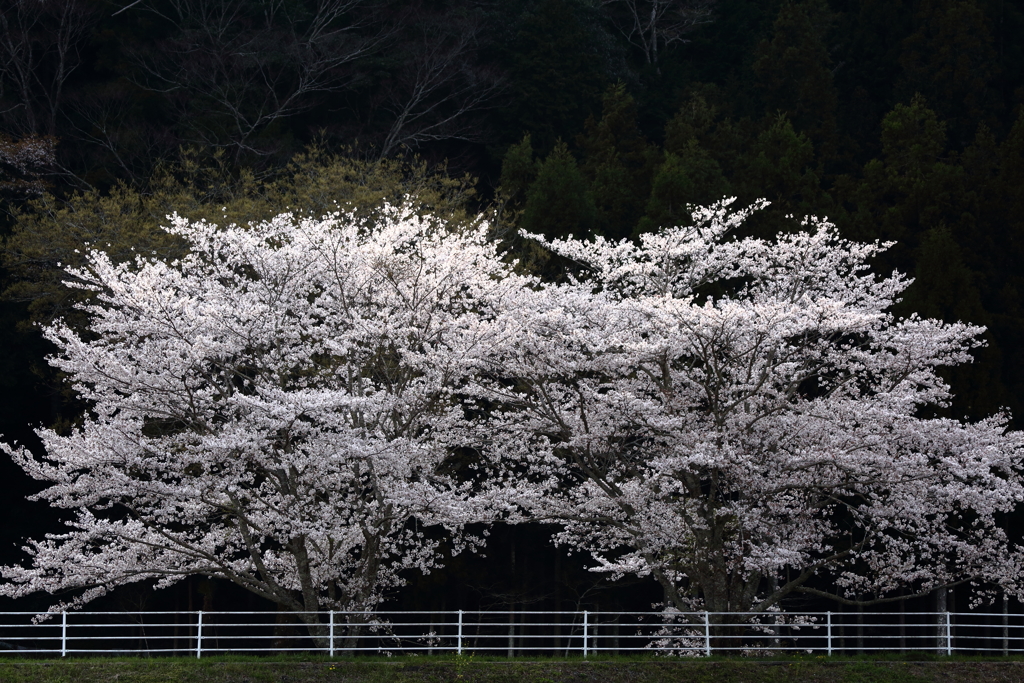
742	419
276	408
746	420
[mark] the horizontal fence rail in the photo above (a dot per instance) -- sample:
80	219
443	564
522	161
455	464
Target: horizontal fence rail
508	633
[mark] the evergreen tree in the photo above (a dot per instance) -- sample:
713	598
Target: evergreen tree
618	162
725	141
794	71
950	58
946	288
558	64
690	177
696	119
927	199
559	202
911	188
1006	223
518	171
780	167
870	35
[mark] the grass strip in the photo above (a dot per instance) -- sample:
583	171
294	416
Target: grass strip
470	669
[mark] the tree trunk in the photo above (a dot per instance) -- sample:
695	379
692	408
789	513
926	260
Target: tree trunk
1006	624
356	624
940	620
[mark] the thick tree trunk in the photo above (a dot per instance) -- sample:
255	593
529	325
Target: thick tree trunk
319	632
354	630
941	607
725	595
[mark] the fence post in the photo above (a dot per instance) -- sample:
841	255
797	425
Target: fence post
331	646
459	641
63	633
199	636
585	629
1006	625
949	636
829	634
707	635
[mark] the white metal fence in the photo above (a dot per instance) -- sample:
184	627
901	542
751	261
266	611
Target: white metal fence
509	633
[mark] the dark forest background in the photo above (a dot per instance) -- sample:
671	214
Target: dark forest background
899	121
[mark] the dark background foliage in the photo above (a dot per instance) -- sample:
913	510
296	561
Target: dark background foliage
898	120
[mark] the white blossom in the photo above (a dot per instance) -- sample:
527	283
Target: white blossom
744	419
741	419
277	409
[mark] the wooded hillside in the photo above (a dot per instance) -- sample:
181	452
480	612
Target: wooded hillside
899	121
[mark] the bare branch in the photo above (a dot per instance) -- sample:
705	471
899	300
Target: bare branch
430	100
39	50
651	24
233	70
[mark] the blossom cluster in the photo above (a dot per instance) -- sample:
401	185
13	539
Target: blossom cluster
288	405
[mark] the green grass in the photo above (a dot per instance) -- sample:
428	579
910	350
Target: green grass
476	669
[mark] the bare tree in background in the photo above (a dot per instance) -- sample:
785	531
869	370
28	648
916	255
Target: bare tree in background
222	74
39	49
117	136
650	24
233	69
441	82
